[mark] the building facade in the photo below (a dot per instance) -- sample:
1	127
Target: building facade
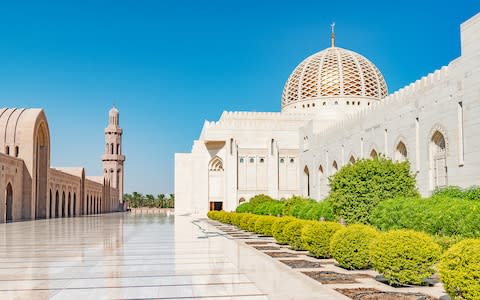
336	109
32	189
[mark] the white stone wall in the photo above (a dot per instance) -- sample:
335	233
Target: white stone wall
301	150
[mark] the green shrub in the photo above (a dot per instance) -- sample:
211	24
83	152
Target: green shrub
245	221
213	214
293	234
460	270
472	193
349	246
404	256
278	229
226	217
437	216
251	223
449	191
356	189
244	208
292	204
316	237
447	241
237	218
264	225
318	210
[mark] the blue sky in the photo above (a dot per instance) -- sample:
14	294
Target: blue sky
169	65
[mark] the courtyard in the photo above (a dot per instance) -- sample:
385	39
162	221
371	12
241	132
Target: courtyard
139	256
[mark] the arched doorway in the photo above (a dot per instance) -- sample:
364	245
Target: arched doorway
9	203
216	181
306	176
69	205
41	167
74	204
373	154
50	205
401	152
86	208
438	160
57	204
63	204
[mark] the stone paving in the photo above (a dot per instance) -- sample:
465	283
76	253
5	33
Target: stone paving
135	256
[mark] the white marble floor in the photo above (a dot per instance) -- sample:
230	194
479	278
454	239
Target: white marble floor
125	256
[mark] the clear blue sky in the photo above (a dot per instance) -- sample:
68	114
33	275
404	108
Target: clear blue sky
169	65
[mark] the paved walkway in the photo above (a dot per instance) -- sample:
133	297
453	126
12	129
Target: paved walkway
127	256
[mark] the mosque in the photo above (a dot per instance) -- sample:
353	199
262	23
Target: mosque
32	189
336	109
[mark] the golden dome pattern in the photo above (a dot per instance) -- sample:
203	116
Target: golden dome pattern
334	72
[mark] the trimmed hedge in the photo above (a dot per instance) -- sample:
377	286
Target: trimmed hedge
264	225
356	189
404	256
278	227
293	234
350	246
438	216
245	221
460	270
251	223
316	237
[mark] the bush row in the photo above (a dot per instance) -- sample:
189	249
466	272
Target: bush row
402	256
299	207
439	215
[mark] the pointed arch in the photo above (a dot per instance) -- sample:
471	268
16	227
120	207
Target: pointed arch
373	154
352	159
401	153
63	204
306	175
69	205
9	203
216	181
216	164
334	167
438	159
57	204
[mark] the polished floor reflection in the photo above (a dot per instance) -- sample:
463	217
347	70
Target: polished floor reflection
116	256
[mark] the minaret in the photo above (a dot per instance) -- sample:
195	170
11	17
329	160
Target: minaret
113	158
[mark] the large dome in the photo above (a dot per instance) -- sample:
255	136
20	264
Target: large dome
333	72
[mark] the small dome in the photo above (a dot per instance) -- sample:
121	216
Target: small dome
334	72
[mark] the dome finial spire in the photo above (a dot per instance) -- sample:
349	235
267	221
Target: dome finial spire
333	34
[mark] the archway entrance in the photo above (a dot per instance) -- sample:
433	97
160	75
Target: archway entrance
57	204
41	172
9	204
63	204
216	181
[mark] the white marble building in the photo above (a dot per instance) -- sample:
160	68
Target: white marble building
335	110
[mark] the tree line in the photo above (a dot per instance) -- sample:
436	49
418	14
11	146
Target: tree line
160	201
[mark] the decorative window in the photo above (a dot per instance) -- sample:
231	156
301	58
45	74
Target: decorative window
292	160
7	150
324	103
313	104
336	102
252	160
17	151
242	160
282	160
262	160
